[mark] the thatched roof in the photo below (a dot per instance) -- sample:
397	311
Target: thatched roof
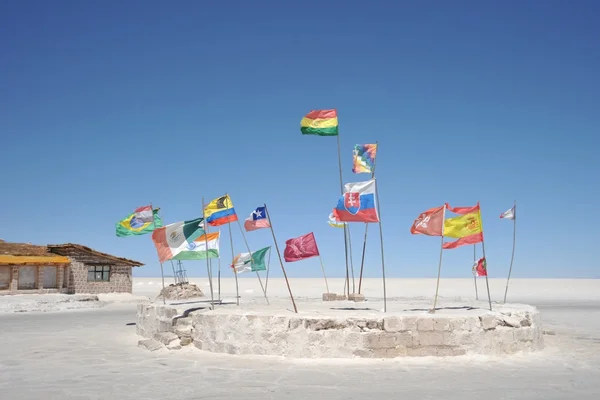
86	254
24	249
9	253
28	254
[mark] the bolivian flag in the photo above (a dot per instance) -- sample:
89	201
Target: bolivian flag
143	220
320	122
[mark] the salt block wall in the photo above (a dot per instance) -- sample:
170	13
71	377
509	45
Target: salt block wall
120	280
490	333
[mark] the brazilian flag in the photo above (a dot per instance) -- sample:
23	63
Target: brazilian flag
135	224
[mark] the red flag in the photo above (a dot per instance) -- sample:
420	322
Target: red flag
480	267
300	248
463	210
429	223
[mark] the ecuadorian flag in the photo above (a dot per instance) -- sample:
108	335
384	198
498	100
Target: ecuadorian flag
220	211
143	220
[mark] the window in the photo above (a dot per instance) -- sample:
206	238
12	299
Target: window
99	273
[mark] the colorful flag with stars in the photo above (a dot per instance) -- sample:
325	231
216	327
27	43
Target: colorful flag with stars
257	220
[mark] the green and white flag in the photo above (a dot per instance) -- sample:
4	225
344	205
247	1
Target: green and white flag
245	262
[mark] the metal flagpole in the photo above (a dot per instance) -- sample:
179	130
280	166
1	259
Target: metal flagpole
280	260
237	288
174	273
252	261
362	262
512	257
162	271
208	272
437	287
487	284
381	241
345	225
475	271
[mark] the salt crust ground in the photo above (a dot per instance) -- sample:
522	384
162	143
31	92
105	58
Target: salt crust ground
62	302
92	354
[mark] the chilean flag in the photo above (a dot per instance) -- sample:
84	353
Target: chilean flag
358	203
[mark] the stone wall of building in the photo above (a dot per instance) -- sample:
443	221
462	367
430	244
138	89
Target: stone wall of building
120	280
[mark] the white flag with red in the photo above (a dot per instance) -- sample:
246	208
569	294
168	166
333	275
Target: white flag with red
508	214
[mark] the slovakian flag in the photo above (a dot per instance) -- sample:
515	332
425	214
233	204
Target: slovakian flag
429	223
480	267
257	220
358	203
300	248
509	214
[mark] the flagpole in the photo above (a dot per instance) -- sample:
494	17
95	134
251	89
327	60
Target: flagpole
362	262
268	269
325	276
219	273
381	241
475	272
237	288
252	261
280	260
345	225
437	286
512	257
351	261
208	272
162	271
487	284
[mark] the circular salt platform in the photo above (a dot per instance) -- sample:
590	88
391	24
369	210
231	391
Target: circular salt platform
344	330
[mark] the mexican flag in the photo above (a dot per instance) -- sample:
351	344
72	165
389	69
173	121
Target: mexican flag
206	246
172	239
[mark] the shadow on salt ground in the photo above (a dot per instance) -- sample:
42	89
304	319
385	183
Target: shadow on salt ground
93	355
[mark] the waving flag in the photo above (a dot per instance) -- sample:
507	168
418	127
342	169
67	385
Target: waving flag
429	223
301	248
172	239
320	122
358	203
509	214
220	211
480	267
332	222
246	262
364	158
257	220
143	220
467	228
205	246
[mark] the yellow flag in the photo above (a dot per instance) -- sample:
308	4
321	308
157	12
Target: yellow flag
463	226
220	211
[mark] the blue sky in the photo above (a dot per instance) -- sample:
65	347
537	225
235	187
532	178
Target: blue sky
106	106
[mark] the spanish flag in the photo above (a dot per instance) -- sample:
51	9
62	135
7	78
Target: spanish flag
220	211
320	122
467	228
